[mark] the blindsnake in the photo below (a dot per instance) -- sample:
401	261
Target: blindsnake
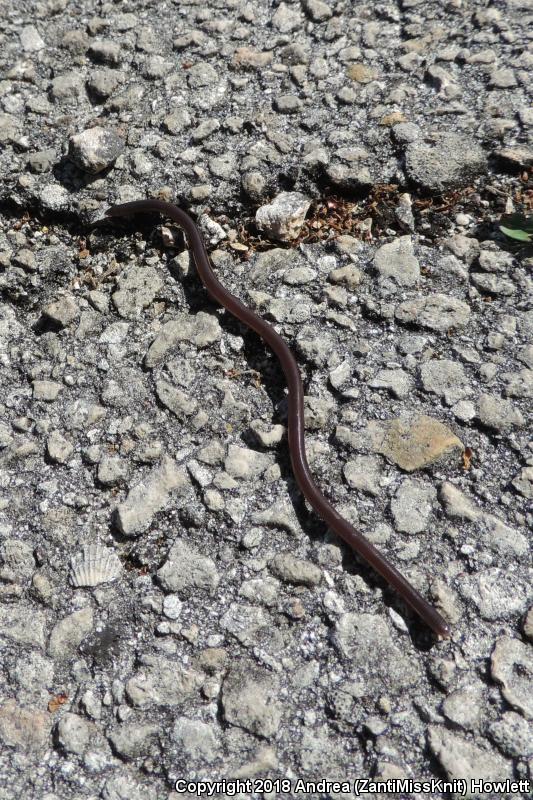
296	435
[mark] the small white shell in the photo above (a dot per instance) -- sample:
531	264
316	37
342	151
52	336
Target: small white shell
95	564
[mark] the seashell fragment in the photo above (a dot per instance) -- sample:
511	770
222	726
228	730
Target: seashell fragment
94	565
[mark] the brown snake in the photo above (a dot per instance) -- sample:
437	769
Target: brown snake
296	434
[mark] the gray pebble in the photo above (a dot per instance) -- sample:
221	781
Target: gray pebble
445	378
74	733
497	413
465	248
41	161
397	381
197	739
201	329
496	593
62	311
162	681
250	700
449	162
502	538
180	403
492	284
495	260
519	384
111	470
150	495
67	634
46	390
177	121
106	51
186	569
464	760
262	590
31	40
295	570
412	505
349	170
438	312
58	448
241	462
23	624
396	260
456	504
67	87
463	707
286	19
503	79
364	473
134	740
365	640
95	149
284	216
511	666
103	82
317	10
513	735
523	482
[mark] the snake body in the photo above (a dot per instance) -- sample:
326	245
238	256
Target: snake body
296	435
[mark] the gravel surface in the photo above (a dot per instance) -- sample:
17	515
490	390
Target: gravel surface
171	609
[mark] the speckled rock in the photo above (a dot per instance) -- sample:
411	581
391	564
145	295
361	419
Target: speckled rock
250	700
513	735
365	640
445	378
396	260
150	495
95	149
74	733
24	727
464	707
197	739
364	473
496	593
23	624
241	462
463	760
456	504
201	329
137	288
523	482
67	634
414	443
511	664
295	570
161	681
58	448
62	311
439	312
411	506
134	739
448	162
498	413
186	569
180	403
397	381
284	217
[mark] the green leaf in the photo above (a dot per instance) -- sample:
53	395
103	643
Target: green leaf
517	226
522	236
